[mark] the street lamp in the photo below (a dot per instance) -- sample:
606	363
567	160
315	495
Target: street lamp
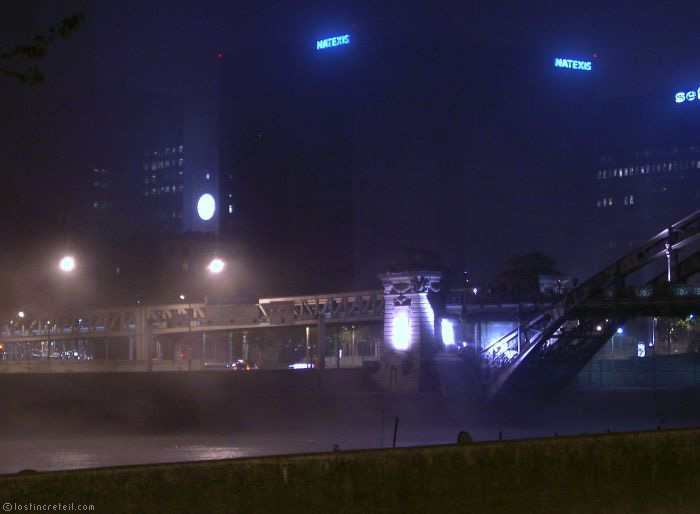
67	264
619	331
216	265
20	314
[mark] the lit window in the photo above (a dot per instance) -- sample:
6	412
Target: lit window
610	202
627	200
631	200
179	161
230	209
605	202
180	148
599	204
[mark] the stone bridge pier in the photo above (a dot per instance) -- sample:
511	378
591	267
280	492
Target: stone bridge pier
411	336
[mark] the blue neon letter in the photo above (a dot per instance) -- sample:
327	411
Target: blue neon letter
333	41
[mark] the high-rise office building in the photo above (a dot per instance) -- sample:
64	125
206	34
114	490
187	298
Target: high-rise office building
162	178
648	172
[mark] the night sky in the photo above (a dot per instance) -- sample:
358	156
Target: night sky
53	134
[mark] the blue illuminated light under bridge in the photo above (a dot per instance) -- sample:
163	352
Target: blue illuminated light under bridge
572	64
448	332
330	42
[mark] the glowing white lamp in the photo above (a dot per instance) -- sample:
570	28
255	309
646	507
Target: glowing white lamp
216	265
206	206
67	264
401	328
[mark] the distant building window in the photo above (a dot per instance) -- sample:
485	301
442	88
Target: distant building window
631	199
180	148
599	204
610	202
230	209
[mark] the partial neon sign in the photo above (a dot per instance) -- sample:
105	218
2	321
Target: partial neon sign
687	96
330	42
572	64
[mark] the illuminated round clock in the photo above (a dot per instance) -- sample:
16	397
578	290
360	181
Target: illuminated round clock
206	206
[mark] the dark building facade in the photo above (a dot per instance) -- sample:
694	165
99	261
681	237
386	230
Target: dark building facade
162	177
648	171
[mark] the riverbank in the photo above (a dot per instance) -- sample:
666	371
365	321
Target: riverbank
654	471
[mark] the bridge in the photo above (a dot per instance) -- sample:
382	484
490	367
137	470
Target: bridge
549	343
138	320
554	344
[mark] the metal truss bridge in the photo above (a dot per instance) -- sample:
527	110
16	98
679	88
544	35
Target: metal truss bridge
153	320
551	347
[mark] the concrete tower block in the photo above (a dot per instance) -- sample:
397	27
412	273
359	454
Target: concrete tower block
409	329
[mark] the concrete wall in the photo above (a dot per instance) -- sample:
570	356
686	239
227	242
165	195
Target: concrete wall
621	473
94	366
664	372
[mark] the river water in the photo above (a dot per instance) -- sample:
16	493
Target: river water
347	429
